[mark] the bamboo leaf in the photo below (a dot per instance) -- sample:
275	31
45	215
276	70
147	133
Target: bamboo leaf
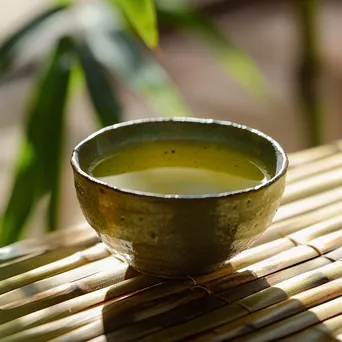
76	80
118	52
309	70
23	196
9	47
237	63
142	16
64	2
55	105
105	102
38	164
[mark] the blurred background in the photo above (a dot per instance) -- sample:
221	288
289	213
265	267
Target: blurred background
275	65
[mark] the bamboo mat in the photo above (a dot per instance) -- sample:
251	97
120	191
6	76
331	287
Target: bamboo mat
67	286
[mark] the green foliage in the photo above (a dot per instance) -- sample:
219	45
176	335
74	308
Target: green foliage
233	60
39	160
120	54
11	45
101	92
142	16
98	52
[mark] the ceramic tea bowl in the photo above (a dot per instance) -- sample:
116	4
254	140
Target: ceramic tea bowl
178	235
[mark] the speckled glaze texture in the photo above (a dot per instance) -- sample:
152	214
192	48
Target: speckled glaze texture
176	236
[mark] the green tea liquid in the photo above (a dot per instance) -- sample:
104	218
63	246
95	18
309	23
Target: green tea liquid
180	168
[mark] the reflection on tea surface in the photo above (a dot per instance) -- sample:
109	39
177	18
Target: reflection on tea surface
180	167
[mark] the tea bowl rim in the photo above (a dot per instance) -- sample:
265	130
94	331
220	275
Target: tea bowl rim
279	153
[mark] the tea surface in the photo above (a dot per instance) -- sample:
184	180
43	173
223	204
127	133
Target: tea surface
180	168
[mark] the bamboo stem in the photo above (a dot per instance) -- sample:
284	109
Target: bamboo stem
269	269
255	254
232	295
59	310
155	311
76	305
300	158
286	227
96	252
310	335
313	185
111	309
262	252
306	205
298	322
100	279
250	304
309	71
317	167
34	261
81	234
31	290
64	291
294	305
322	228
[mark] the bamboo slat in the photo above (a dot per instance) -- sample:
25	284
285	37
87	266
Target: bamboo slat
77	304
308	204
289	226
61	293
257	285
96	252
70	237
276	246
33	261
295	304
32	292
313	154
313	185
320	166
296	323
253	303
328	330
113	311
288	286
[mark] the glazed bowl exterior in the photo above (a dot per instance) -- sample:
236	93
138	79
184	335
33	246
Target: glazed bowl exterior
171	235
